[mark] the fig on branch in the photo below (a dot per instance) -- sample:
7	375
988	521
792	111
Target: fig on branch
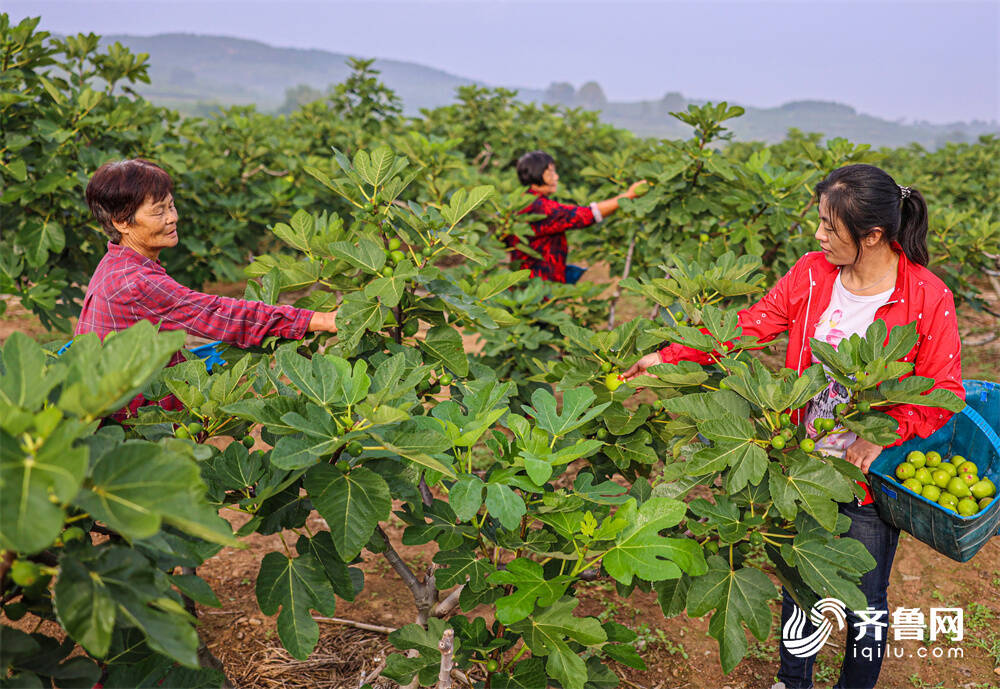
25	573
73	533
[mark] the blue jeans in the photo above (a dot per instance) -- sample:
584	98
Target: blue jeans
857	672
573	274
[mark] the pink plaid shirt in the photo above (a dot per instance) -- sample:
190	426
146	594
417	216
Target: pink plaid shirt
127	288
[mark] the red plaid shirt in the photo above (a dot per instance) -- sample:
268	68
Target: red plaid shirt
550	237
127	288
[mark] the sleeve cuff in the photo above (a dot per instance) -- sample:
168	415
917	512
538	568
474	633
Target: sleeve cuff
300	326
663	356
597	212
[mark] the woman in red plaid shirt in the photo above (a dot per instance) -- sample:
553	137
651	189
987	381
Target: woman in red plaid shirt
133	200
537	171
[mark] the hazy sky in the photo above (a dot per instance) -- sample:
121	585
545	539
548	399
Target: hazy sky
936	61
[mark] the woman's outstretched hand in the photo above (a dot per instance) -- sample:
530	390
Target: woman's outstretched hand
639	368
323	321
632	190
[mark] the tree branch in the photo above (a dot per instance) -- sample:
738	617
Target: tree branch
402	569
425	492
424	592
260	168
447	647
618	289
446	606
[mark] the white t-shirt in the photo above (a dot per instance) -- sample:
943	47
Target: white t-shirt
848	314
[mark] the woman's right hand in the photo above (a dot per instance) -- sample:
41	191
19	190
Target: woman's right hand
631	190
639	367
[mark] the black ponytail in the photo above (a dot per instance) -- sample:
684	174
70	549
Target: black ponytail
864	197
913	227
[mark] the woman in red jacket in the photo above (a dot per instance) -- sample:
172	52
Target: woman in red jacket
872	265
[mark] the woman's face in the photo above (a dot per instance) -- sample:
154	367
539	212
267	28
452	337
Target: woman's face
834	239
154	228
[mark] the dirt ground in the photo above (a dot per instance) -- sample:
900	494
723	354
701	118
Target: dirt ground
678	652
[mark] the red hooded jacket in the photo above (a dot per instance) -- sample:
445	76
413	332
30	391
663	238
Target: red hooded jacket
795	304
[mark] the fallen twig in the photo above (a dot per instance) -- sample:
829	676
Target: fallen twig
366	678
357	625
631	683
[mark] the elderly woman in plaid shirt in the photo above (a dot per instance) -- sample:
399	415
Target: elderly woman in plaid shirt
537	171
133	200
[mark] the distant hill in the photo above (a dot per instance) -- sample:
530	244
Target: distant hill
195	73
186	69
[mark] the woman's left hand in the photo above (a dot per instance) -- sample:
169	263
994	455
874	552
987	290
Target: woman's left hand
862	453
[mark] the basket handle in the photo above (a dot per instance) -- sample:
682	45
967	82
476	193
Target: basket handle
983	425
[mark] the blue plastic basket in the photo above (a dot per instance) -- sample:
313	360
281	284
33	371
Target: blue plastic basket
971	433
209	352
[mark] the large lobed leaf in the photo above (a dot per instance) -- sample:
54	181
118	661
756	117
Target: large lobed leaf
547	632
738	597
640	550
296	586
352	503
